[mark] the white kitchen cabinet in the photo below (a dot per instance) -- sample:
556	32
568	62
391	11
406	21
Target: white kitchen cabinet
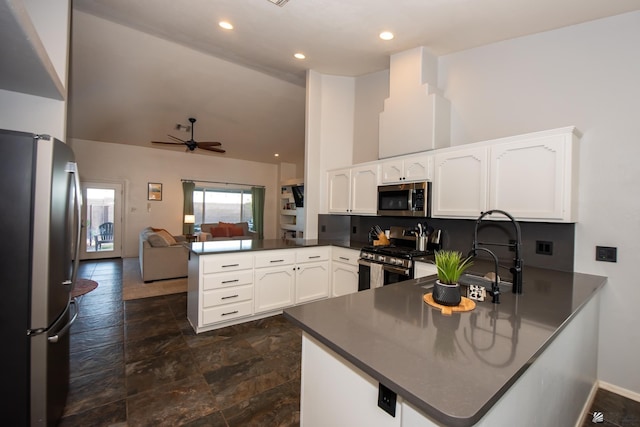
536	178
408	169
274	278
344	271
424	269
460	183
339	191
312	274
220	289
353	190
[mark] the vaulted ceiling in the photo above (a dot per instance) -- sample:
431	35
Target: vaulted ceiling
139	68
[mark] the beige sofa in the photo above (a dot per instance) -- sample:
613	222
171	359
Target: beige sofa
161	258
207	234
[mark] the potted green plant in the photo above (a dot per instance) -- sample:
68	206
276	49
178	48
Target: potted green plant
451	265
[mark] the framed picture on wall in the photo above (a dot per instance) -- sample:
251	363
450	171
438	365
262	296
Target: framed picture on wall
154	192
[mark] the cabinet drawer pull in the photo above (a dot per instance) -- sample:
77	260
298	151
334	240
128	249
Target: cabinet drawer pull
344	258
315	256
277	260
230	296
229	313
230	281
230	265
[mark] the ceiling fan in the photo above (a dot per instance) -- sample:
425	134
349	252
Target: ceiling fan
192	144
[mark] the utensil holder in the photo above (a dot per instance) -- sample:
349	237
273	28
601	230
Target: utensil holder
421	243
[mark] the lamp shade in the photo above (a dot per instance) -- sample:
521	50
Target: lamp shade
189	219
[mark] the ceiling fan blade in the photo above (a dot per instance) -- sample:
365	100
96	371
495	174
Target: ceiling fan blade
217	150
168	143
209	144
177	139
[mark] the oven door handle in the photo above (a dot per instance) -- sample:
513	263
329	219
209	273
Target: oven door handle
399	270
387	267
364	262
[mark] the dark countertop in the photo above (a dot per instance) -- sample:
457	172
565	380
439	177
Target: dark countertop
454	368
248	245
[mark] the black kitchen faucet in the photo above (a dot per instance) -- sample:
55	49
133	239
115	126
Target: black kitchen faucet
518	262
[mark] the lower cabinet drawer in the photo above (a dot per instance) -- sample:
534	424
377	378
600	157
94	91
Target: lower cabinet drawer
227	312
222	280
227	296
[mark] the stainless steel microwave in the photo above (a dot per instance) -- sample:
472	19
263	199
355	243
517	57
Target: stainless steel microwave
409	199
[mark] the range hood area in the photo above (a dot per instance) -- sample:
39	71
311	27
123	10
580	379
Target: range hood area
416	116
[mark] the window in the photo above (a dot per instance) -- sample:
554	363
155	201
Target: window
226	205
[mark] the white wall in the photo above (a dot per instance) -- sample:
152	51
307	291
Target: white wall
329	138
136	166
586	75
370	92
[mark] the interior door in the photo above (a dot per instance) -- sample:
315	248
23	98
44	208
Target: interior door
101	220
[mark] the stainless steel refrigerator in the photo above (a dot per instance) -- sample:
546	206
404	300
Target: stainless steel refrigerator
39	225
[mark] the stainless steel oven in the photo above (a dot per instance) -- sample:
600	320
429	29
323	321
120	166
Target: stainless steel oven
393	263
390	274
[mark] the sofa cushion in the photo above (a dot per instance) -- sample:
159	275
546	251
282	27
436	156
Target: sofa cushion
220	231
156	240
234	230
168	237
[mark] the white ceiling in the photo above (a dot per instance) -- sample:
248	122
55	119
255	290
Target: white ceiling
248	90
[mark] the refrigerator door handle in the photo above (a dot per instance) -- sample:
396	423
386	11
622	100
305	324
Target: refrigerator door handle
65	328
72	168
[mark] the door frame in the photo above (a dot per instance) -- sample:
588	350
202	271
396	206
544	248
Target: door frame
118	219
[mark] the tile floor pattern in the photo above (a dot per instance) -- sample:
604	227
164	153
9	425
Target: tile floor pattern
616	410
139	363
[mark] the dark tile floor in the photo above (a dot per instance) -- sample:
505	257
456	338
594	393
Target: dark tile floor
139	363
615	409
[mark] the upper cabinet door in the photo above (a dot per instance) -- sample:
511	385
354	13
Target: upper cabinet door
364	190
531	179
339	191
418	168
392	171
414	168
460	183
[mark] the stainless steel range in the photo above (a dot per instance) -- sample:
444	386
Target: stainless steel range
384	265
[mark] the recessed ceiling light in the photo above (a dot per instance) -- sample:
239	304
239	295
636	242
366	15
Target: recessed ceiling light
299	55
276	155
386	35
226	25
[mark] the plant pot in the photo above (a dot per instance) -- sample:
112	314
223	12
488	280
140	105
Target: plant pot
445	294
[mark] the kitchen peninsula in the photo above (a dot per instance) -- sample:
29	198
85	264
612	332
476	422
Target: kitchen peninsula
530	360
234	281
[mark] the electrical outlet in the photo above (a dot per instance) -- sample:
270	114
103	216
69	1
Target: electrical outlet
387	400
512	245
544	247
606	253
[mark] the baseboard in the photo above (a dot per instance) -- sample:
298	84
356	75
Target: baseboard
587	405
619	390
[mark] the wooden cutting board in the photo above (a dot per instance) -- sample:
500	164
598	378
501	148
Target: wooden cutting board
466	304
